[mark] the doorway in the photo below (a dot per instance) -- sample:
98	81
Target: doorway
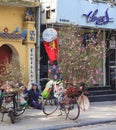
111	63
5	54
5	58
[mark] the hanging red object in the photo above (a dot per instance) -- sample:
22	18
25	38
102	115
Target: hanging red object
52	49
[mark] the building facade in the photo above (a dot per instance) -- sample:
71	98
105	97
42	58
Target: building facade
18	35
97	15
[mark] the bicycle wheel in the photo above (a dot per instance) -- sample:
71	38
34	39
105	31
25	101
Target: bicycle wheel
50	105
20	110
73	109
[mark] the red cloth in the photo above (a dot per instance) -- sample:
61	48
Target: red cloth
52	49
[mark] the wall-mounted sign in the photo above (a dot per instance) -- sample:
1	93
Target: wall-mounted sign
32	35
32	63
92	16
64	20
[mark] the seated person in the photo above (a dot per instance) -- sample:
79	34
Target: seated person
33	95
7	87
23	92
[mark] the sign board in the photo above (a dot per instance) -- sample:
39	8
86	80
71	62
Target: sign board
32	65
79	12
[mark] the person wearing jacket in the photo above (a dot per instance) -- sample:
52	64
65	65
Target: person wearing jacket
33	96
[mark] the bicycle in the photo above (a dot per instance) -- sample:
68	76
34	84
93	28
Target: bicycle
68	104
12	107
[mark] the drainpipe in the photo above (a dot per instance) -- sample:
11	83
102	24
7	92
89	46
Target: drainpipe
38	46
104	61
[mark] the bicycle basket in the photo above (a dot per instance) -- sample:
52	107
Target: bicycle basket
71	91
8	99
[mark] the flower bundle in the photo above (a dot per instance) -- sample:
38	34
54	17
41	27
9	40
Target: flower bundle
72	91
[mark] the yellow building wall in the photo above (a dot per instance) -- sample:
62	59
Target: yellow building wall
12	17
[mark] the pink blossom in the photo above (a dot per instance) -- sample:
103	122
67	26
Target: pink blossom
55	77
48	61
91	77
89	34
49	70
73	43
83	49
84	67
97	71
54	66
81	39
73	56
59	69
94	82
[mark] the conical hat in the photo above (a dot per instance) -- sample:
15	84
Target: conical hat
83	102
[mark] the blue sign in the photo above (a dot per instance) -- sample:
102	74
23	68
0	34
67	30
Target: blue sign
98	20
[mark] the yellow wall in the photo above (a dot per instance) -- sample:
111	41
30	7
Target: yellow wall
12	17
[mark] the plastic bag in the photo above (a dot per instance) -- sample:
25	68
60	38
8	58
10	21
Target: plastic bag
47	90
22	101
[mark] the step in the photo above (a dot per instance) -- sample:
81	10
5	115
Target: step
102	92
99	88
97	98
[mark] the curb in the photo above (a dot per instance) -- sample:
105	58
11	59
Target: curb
78	125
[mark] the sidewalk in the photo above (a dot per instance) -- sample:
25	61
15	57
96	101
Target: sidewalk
32	119
99	112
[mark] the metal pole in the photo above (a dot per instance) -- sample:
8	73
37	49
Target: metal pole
38	45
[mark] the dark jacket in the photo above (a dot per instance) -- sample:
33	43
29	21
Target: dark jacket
33	96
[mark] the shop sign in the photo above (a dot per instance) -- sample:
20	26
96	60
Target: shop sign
92	17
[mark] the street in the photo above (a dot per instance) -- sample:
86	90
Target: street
100	114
